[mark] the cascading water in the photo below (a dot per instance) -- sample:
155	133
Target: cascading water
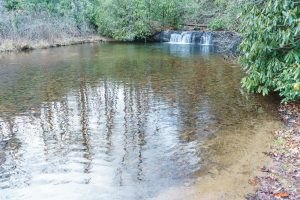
182	38
205	39
197	40
191	37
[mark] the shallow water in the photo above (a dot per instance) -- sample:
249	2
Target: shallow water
116	121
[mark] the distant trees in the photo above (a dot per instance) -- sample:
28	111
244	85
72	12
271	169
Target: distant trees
121	19
217	14
44	19
271	48
170	12
134	19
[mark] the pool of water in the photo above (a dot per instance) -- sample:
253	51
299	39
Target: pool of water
119	121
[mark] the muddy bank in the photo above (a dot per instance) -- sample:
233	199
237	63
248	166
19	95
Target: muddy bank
281	180
24	45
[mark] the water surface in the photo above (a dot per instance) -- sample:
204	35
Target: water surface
116	121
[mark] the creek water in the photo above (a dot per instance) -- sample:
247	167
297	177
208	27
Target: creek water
121	121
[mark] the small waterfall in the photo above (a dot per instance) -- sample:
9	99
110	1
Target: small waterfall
199	42
183	38
191	37
205	39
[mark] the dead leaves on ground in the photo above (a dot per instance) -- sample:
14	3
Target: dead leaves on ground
282	180
282	195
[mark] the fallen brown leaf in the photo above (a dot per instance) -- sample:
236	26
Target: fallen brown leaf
282	195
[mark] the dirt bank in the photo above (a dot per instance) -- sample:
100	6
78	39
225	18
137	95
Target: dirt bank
23	44
282	179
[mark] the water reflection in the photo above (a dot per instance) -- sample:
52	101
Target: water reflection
112	121
206	49
188	50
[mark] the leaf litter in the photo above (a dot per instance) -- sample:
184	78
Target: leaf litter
281	180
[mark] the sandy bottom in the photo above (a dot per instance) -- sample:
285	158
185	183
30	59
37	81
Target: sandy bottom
238	159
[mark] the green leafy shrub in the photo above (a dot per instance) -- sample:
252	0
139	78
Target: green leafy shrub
133	19
217	24
123	19
271	48
12	4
